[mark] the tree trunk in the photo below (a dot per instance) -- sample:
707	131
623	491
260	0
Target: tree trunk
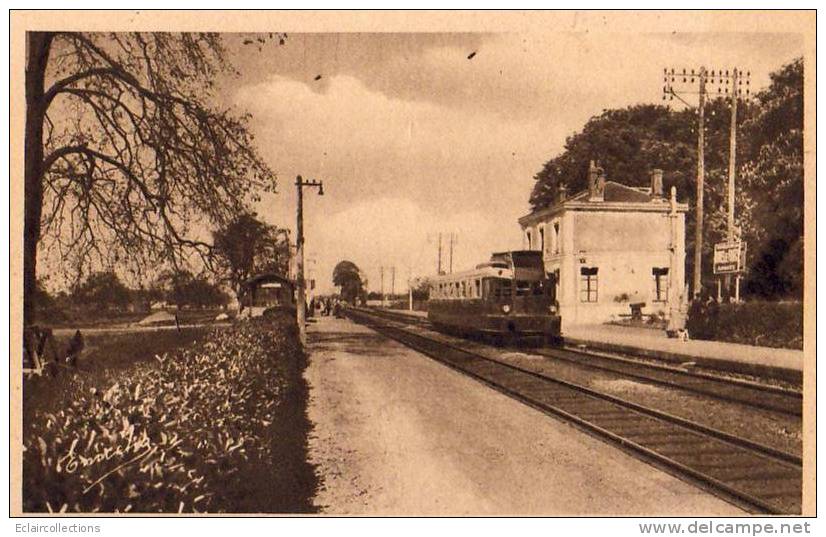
36	61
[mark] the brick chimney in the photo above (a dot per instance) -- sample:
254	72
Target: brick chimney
656	183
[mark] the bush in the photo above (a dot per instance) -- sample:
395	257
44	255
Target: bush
767	324
218	427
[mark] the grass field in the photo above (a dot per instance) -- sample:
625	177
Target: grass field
116	319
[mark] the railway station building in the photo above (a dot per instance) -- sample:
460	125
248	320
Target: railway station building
610	247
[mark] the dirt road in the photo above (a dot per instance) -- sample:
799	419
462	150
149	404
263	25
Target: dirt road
398	434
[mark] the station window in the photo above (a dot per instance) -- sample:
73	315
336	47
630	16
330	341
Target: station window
542	239
478	288
528	238
660	276
588	284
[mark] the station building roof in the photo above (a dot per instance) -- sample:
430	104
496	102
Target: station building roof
616	197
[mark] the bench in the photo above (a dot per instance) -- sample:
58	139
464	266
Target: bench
636	310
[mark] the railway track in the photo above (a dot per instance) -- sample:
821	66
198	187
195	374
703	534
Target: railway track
754	394
756	477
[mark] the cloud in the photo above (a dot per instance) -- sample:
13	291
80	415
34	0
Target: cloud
412	138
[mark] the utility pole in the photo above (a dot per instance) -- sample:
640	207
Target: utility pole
381	271
452	239
732	171
301	304
409	288
673	79
701	178
439	269
393	282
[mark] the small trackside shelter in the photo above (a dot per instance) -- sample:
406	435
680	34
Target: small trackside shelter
264	292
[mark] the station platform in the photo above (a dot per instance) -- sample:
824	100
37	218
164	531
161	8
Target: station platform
785	364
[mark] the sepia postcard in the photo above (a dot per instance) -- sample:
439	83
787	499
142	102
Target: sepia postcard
413	263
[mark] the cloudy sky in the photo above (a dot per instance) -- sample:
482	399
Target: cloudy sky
412	138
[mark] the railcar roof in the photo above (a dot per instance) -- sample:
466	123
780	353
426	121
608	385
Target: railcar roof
483	272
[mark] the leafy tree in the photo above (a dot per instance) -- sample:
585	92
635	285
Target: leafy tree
771	187
347	276
102	291
247	246
183	288
421	288
200	292
126	152
629	142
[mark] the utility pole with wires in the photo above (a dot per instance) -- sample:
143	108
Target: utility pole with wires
452	242
300	283
381	271
439	269
409	288
728	83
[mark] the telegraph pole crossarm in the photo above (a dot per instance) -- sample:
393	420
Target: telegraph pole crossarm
728	83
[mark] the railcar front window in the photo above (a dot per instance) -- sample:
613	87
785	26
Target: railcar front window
506	288
523	288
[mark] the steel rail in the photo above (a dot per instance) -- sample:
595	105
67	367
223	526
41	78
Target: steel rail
754	394
756	477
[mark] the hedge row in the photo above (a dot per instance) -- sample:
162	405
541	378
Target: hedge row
767	324
218	427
